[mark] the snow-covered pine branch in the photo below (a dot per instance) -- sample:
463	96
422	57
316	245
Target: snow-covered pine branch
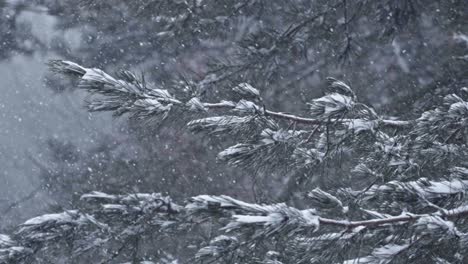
129	90
128	94
422	211
108	219
417	194
266	220
376	189
263	140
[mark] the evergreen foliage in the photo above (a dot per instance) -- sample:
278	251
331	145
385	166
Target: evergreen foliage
402	198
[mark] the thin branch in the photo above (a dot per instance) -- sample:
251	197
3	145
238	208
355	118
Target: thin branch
404	218
311	121
33	193
16	203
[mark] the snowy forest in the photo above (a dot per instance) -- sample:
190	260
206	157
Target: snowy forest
230	132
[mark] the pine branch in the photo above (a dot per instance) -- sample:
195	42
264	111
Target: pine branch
108	216
210	203
133	93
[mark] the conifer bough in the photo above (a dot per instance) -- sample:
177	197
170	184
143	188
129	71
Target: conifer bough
90	78
400	216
